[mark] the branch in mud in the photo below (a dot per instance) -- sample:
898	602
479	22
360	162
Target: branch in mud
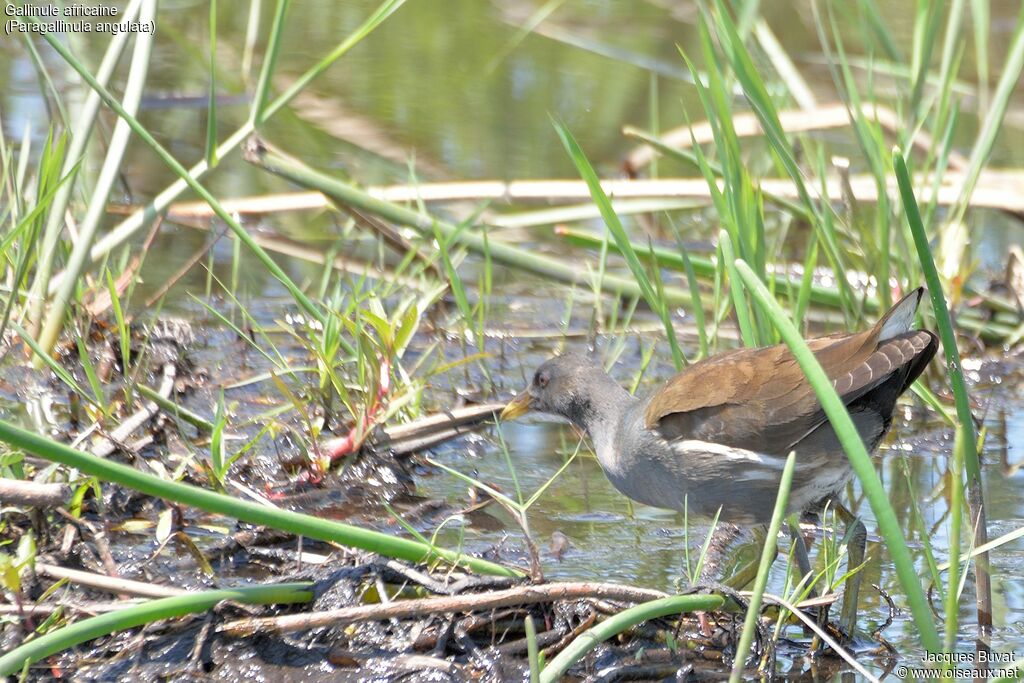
521	595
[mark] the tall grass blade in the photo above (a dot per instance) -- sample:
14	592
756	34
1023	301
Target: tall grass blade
252	28
134	87
696	302
300	297
860	461
971	464
739	302
767	558
1009	79
211	101
242	510
129	226
592	637
981	20
760	101
927	19
880	28
269	66
24	235
784	66
85	119
44	80
153	610
621	239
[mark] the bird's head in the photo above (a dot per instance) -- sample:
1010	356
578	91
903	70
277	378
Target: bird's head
564	386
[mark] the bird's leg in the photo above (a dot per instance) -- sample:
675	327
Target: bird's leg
803	560
718	548
711	565
742	576
744	572
856	540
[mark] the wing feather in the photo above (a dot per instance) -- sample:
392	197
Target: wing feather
759	399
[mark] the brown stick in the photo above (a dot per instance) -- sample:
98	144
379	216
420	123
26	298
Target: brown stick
520	595
436	428
33	494
106	446
185	267
109	584
389	234
101	300
99	538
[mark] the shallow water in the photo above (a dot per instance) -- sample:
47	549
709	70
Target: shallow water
435	81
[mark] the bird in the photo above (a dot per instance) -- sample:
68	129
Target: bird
714	439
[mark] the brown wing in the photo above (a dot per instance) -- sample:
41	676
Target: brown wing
759	399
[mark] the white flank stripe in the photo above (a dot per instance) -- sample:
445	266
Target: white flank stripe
735	454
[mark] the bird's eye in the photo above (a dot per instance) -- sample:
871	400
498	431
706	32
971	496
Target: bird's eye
541	380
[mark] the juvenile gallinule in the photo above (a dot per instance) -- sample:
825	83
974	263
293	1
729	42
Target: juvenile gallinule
717	434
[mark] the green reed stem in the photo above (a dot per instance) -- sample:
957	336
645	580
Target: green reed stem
626	619
242	510
147	612
614	226
860	461
767	558
111	169
129	226
500	252
85	120
969	440
297	294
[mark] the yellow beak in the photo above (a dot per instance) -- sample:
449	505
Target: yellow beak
518	406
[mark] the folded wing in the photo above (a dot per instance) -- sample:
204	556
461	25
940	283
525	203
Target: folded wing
759	399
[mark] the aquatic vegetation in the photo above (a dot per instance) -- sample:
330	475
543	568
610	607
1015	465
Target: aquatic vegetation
319	345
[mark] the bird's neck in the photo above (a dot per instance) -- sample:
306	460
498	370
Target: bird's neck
603	411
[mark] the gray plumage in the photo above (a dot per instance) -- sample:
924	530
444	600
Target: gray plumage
717	434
